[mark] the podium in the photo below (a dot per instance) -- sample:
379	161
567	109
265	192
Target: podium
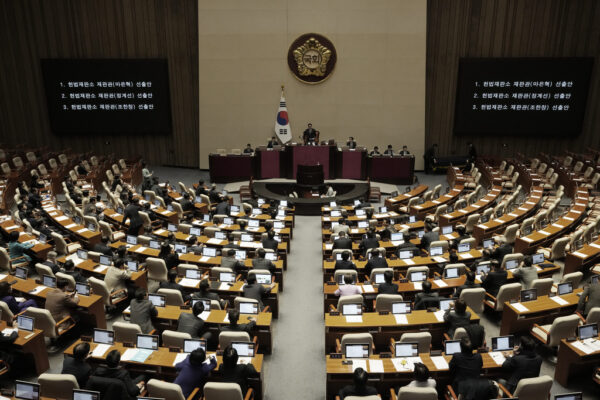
312	155
310	175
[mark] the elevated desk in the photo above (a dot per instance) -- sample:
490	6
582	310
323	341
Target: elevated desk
392	169
270	162
311	155
231	167
392	203
571	360
34	345
352	163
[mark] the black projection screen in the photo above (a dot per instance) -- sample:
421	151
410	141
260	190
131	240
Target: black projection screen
522	96
107	96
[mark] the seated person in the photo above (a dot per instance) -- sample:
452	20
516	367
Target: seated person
476	333
269	242
193	371
112	370
376	261
421	377
77	365
142	311
351	143
51	262
476	389
342	242
389	151
14	306
16	249
260	262
201	189
193	246
205	293
429	236
233	372
404	151
426	298
69	269
117	276
466	364
408	246
345	263
457	316
526	272
192	323
590	298
248	149
234	316
256	291
469	283
168	254
103	247
525	363
272	142
462	234
360	387
228	260
223	207
503	249
172	284
370	242
492	281
349	288
329	193
375	152
341	226
388	287
61	304
186	204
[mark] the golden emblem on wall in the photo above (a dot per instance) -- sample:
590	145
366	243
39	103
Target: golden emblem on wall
311	58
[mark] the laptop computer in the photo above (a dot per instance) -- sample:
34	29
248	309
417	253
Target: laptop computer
49	281
193	273
172	228
528	295
356	350
240	255
483	268
412	219
27	390
445	304
181	248
352	309
158	300
80	394
464	247
446	230
503	343
82	289
587	331
244	349
132	266
209	251
565	288
436	251
511	264
406	349
226	277
419	276
248	307
82	254
132	240
21	272
154	244
451	347
488	243
263	279
190	345
149	342
537	258
452	272
195	231
401	307
25	323
103	336
405	254
105	260
271	256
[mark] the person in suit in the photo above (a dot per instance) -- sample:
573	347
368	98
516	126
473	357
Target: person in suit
476	333
341	226
309	135
389	151
103	247
376	261
469	284
132	213
590	298
172	284
168	254
260	262
205	293
342	242
269	242
348	288
193	246
248	149
142	311
502	250
345	262
421	377
14	306
229	261
526	272
472	152
430	157
272	142
60	303
234	326
495	279
429	236
231	371
201	189
388	287
351	143
369	242
486	257
476	389
117	276
404	151
193	371
375	152
186	204
213	194
112	370
256	291
223	206
77	365
51	262
525	363
193	324
69	269
407	246
462	234
466	364
457	316
360	387
426	298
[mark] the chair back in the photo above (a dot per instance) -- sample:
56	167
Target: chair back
174	338
543	286
126	332
216	271
472	220
562	328
513	256
593	316
157	269
6	314
177	208
357	338
240	299
222	391
506	293
460	333
574	277
558	248
43	321
474	298
510	233
226	337
57	386
440	243
534	388
423	268
352	299
383	302
342	272
417	393
59	244
99	287
68	278
164	390
173	297
42	270
422	338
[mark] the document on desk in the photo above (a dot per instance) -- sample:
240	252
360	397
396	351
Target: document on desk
465	256
498	357
439	315
559	300
62	218
204	315
37	289
440	362
595	245
160	232
358	363
354	319
543	232
141	249
440	283
513	215
137	355
189	282
100	268
82	230
418	285
368	289
214	241
226	319
582	346
76	260
520	307
401	319
326	219
408	261
71	226
397	242
10	228
439	259
204	259
223	286
100	350
179	357
8	331
165	212
522	209
328	246
579	254
376	366
529	240
2	276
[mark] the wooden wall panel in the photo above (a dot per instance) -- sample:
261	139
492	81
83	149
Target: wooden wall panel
35	29
506	28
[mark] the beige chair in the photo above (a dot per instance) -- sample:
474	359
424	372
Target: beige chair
512	183
167	390
413	201
436	191
542	285
593	183
177	208
417	393
110	300
185	228
215	272
462	268
384	302
593	316
510	234
43	321
225	338
343	272
150	195
506	293
472	220
226	391
542	168
62	246
42	270
557	252
422	338
126	332
18	162
440	210
532	388
5	313
376	271
181	268
62	158
474	298
8	265
526	227
352	299
551	183
173	297
174	338
355	338
510	257
460	333
157	269
57	386
410	270
68	278
440	243
574	277
427	196
561	328
209	231
107	232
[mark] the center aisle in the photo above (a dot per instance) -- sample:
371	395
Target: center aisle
297	367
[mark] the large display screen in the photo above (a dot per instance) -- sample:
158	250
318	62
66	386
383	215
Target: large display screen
110	96
522	96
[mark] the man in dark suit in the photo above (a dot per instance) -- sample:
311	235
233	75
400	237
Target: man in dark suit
476	389
351	143
103	247
272	142
408	246
310	135
345	262
192	323
495	279
404	151
389	151
256	291
132	213
248	149
186	204
260	262
342	242
466	364
429	236
69	269
231	371
589	299
269	242
388	287
223	207
430	158
77	364
376	261
426	298
360	387
502	250
457	316
369	242
234	316
214	194
172	284
469	284
142	311
462	234
112	370
525	363
375	152
228	260
59	303
51	262
201	189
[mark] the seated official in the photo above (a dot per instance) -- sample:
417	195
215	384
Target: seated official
349	288
370	242
16	249
526	272
465	365
525	363
342	242
117	276
214	194
14	306
205	293
457	316
272	142
142	311
69	269
60	303
256	291
260	262
376	261
233	372
341	226
476	389
462	234
389	151
172	284
201	189
186	203
589	299
404	151
223	207
360	387
345	262
476	333
248	149
269	242
421	377
469	283
103	247
426	298
234	316
193	324
193	246
329	193
310	135
351	143
492	281
429	236
388	287
169	255
193	371
77	365
503	249
229	261
486	257
51	262
375	152
408	246
113	371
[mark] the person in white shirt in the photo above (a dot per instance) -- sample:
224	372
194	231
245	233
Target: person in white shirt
421	377
349	288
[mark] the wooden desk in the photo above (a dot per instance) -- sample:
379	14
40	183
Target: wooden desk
457	216
84	235
429	207
572	361
34	345
39	250
585	256
91	268
392	203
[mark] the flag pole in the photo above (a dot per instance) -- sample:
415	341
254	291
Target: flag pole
282	90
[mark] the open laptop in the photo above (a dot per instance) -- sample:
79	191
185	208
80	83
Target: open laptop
209	251
154	244
253	223
248	307
405	254
419	276
132	266
82	289
226	277
401	307
464	247
452	272
132	240
565	288
195	231
105	260
79	394
228	221
240	255
446	230
511	264
193	273
537	258
180	248
378	278
528	295
263	279
383	209
21	272
256	211
445	304
451	347
483	268
406	349
49	281
363	224
103	336
569	396
587	331
356	350
278	224
436	251
352	309
190	345
172	228
488	243
149	342
27	390
158	300
503	343
244	349
412	219
82	254
271	256
360	212
25	323
397	237
246	237
234	209
205	302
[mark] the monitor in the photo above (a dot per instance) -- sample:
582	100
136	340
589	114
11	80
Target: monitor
244	349
338	256
82	289
43	238
234	210
260	201
445	304
271	256
49	281
157	203
25	323
103	336
538	258
247	237
451	347
206	218
92	227
382	209
452	272
511	264
180	248
21	272
503	343
263	279
401	307
363	224
418	276
281	213
220	235
336	213
82	254
352	309
406	349
193	273
256	211
105	260
283	203
158	300
132	240
119	210
209	251
27	390
528	295
565	288
360	212
228	221
205	302
190	345
198	199
332	204
248	307
436	251
356	202
278	224
172	228
79	394
483	268
379	278
405	254
488	243
587	331
132	266
334	224
356	350
464	247
253	223
569	396
154	244
194	231
170	208
412	219
77	219
446	230
227	277
149	342
240	255
397	237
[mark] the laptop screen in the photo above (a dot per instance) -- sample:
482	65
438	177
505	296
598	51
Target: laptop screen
49	281
271	256
244	349
405	254
565	288
82	254
445	304
278	224
263	279
181	248
190	345
451	273
488	243
418	276
25	323
193	273
406	349
82	289
209	252
503	343
206	218
569	396
234	210
356	202
256	211
248	307
538	258
401	307
253	223
397	236
587	331
149	342
420	234
195	231
240	254
332	204
336	213
105	260
27	390
363	224
382	209
360	213
379	278
247	238
352	309
451	347
464	247
436	251
79	394
528	295
227	277
283	203
154	244
511	264
172	228
483	268
21	272
356	350
131	239
228	221
43	238
158	300
446	229
104	336
412	219
132	266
